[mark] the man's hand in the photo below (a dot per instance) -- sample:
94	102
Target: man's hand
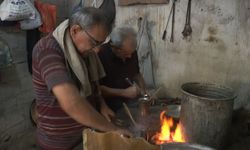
79	109
131	92
107	112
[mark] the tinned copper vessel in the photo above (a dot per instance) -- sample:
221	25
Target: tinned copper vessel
144	105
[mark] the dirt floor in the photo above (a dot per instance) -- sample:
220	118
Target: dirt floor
27	142
24	141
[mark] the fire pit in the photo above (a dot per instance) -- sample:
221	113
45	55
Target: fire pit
158	127
160	130
170	131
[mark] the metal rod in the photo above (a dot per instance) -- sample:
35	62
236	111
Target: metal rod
153	96
129	114
129	81
155	92
173	21
165	30
134	84
189	11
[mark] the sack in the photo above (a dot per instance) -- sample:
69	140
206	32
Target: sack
29	24
15	10
93	140
48	14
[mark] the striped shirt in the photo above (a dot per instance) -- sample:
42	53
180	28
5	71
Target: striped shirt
55	129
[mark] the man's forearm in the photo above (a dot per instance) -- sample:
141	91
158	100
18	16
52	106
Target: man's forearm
99	94
79	109
91	118
110	92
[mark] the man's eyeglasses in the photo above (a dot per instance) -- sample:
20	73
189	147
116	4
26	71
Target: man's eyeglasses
94	42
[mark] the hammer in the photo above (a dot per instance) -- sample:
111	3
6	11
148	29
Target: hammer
134	84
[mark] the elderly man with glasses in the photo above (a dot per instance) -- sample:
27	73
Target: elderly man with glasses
120	62
66	71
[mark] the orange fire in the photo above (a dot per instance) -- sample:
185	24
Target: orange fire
166	135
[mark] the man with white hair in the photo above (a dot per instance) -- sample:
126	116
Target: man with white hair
120	62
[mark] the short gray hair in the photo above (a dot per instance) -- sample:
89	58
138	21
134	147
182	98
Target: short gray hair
119	34
88	17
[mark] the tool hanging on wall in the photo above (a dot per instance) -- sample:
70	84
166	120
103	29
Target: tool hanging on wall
165	30
187	29
172	11
173	20
144	52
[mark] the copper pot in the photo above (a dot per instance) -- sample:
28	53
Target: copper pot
144	105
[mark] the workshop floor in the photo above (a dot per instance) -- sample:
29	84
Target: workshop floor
239	137
25	141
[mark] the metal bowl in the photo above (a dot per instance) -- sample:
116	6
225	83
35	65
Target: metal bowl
184	146
173	111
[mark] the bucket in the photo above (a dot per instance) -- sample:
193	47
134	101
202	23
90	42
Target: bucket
206	113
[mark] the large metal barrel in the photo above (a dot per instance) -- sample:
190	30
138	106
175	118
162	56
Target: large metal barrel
206	113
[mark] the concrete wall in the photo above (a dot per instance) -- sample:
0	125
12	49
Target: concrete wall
218	51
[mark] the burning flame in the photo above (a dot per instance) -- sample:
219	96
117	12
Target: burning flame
166	135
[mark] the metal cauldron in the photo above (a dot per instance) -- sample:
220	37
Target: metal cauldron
206	113
144	105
